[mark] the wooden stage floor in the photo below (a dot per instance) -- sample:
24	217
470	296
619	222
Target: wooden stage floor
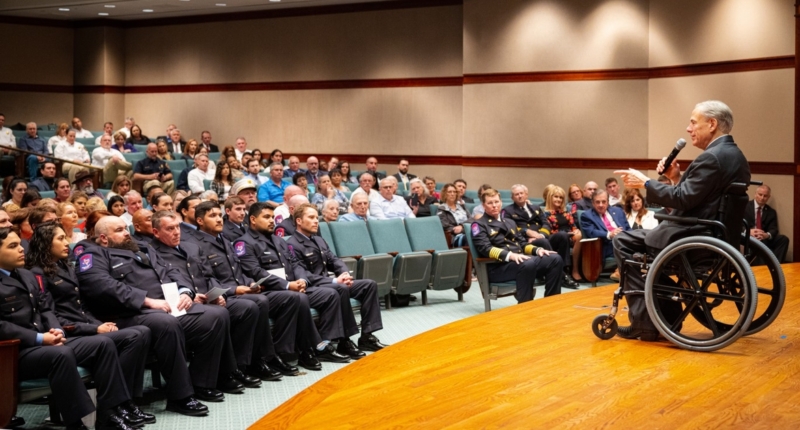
538	365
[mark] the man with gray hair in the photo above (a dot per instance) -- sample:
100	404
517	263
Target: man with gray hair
697	193
34	143
763	222
389	205
129	123
200	172
133	202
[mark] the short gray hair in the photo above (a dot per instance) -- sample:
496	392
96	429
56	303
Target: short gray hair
524	188
719	111
129	194
158	216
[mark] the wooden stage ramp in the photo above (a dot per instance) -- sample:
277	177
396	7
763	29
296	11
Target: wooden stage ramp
538	365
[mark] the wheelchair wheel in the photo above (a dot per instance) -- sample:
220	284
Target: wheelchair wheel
708	279
597	327
771	287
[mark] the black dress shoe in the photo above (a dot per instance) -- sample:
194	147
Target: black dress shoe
370	343
134	410
278	365
208	394
77	426
17	422
246	380
330	354
188	406
122	412
230	386
628	332
308	360
263	372
569	282
348	348
113	421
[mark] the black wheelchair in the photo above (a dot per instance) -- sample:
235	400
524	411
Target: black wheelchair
708	277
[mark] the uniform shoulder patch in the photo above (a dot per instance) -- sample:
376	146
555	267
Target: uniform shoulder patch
238	247
280	231
78	250
85	262
278	219
475	228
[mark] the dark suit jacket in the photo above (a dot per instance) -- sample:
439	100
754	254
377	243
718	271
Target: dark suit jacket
310	176
525	222
769	218
593	226
259	253
171	146
223	262
24	311
699	191
400	180
211	147
41	184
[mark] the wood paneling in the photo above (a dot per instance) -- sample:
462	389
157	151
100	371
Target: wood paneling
538	365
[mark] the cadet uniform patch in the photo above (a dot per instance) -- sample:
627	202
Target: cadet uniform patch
475	228
280	231
78	250
238	247
85	262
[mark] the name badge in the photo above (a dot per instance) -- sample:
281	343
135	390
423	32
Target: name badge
212	256
117	265
58	282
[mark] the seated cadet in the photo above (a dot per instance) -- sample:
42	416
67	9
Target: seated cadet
287	227
498	238
234	225
265	255
142	226
154	171
244	314
121	280
185	210
47	260
317	259
532	225
224	262
27	317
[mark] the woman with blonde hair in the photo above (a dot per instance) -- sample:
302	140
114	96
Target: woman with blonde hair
68	216
163	150
190	150
95	204
560	219
60	136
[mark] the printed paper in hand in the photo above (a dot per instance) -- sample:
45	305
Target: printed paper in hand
172	297
212	295
281	273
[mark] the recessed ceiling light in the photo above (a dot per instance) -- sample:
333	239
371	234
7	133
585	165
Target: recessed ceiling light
221	4
103	14
111	6
274	1
147	10
64	9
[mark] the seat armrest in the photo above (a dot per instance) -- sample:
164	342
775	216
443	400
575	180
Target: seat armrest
357	257
393	253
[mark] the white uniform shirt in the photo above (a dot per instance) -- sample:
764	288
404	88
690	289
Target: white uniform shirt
100	156
74	152
196	177
83	134
7	137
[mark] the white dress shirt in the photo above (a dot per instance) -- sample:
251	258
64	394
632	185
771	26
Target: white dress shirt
53	142
196	177
7	137
128	218
100	156
83	133
373	195
382	208
125	131
74	152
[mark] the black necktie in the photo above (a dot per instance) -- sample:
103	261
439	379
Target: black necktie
181	251
221	241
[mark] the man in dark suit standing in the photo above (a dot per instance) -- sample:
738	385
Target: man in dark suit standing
403	177
205	141
696	193
763	221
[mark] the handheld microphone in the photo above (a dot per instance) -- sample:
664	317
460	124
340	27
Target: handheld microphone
671	157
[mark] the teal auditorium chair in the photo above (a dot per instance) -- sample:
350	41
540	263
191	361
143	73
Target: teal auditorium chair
448	265
179	165
470	207
207	184
140	148
505	194
325	232
47	194
490	290
473	194
351	186
86	141
412	269
134	157
592	262
352	239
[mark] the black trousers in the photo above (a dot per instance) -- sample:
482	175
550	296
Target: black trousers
779	245
626	244
244	316
326	302
59	365
525	274
365	291
560	243
205	331
285	311
132	344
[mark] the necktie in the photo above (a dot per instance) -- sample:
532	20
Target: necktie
221	241
758	218
527	211
181	251
607	222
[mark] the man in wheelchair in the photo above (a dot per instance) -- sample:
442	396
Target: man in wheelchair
697	193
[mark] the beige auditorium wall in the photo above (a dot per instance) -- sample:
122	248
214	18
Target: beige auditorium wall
40	56
392	44
594	119
534	179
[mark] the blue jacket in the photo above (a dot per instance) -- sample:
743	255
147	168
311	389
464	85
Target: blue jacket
593	226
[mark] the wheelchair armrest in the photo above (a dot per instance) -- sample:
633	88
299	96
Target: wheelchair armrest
677	219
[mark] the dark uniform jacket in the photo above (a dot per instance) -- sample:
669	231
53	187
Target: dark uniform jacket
527	222
495	238
231	231
699	191
286	228
259	253
217	254
316	258
24	311
65	300
188	264
148	166
115	282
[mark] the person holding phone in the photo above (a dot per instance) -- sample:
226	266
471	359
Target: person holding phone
420	200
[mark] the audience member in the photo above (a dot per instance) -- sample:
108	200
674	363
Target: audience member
84	181
430	184
189	150
313	173
111	160
604	223
78	200
636	211
21	225
453	215
108	129
151	170
70	150
175	143
301	181
133	202
59	137
403	177
498	238
366	185
372	167
293	168
477	211
419	201
121	143
240	147
389	205
161	202
287	227
359	203
136	137
68	216
142	227
223	180
258	157
31	198
33	143
63	190
245	190
333	163
330	210
336	180
561	220
94	204
7	137
272	189
347	176
253	170
166	135
234	222
162	150
461	186
586	203
276	156
121	185
126	130
13	194
612	187
47	179
205	141
575	195
5	219
763	220
200	172
116	205
80	132
326	191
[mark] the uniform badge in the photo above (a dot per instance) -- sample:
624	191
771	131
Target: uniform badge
278	219
475	228
238	246
279	231
291	249
85	262
492	232
78	250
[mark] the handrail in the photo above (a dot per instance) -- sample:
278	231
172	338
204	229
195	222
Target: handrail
25	151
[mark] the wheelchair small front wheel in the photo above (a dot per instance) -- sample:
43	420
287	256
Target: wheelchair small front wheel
604	333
